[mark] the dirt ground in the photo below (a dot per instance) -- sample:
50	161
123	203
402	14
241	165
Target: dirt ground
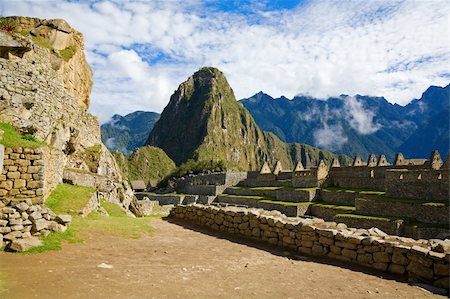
182	261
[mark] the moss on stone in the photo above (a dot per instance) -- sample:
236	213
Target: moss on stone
42	42
91	157
68	52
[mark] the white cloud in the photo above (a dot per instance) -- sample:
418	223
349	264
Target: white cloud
331	137
359	118
394	49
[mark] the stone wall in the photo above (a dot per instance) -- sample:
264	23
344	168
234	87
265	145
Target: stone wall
358	177
425	260
422	184
23	174
426	213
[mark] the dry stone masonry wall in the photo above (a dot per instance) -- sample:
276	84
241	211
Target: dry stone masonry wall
427	260
23	174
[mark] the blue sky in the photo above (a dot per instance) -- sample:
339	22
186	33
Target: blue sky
140	51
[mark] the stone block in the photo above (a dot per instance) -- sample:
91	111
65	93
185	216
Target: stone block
33	169
427	262
351	254
380	266
34	185
12	235
17	227
5	229
397	269
3	223
8	210
420	270
364	258
7	185
39	225
381	257
19	183
15	221
35	216
13	175
336	250
346	245
24	244
22	206
318	250
441	269
326	241
399	258
443	283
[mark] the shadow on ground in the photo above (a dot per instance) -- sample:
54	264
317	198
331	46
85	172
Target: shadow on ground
293	255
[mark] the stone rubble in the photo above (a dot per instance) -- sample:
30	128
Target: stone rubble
22	222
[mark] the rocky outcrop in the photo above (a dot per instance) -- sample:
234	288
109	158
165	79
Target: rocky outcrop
45	92
65	44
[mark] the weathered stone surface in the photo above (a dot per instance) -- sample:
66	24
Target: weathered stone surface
441	269
24	244
39	225
381	257
420	270
397	269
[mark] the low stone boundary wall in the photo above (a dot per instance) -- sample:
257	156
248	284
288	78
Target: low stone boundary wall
426	260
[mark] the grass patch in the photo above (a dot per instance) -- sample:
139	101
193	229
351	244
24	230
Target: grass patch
407	200
365	217
328	206
249	197
67	53
68	199
11	138
287	203
24	32
355	190
42	42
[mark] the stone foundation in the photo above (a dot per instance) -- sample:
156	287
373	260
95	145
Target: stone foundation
422	259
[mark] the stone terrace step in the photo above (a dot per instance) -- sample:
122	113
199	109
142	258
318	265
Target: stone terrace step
287	194
288	208
423	211
328	212
267	191
346	197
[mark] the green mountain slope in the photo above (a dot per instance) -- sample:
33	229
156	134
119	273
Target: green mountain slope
127	133
204	122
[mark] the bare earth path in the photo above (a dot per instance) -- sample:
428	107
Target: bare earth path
176	262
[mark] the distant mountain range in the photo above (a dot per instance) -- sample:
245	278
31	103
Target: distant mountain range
348	125
126	133
359	124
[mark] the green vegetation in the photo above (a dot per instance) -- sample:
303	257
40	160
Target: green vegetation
24	32
355	190
329	206
287	203
365	217
68	52
42	42
149	163
407	200
7	24
92	157
68	199
11	138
